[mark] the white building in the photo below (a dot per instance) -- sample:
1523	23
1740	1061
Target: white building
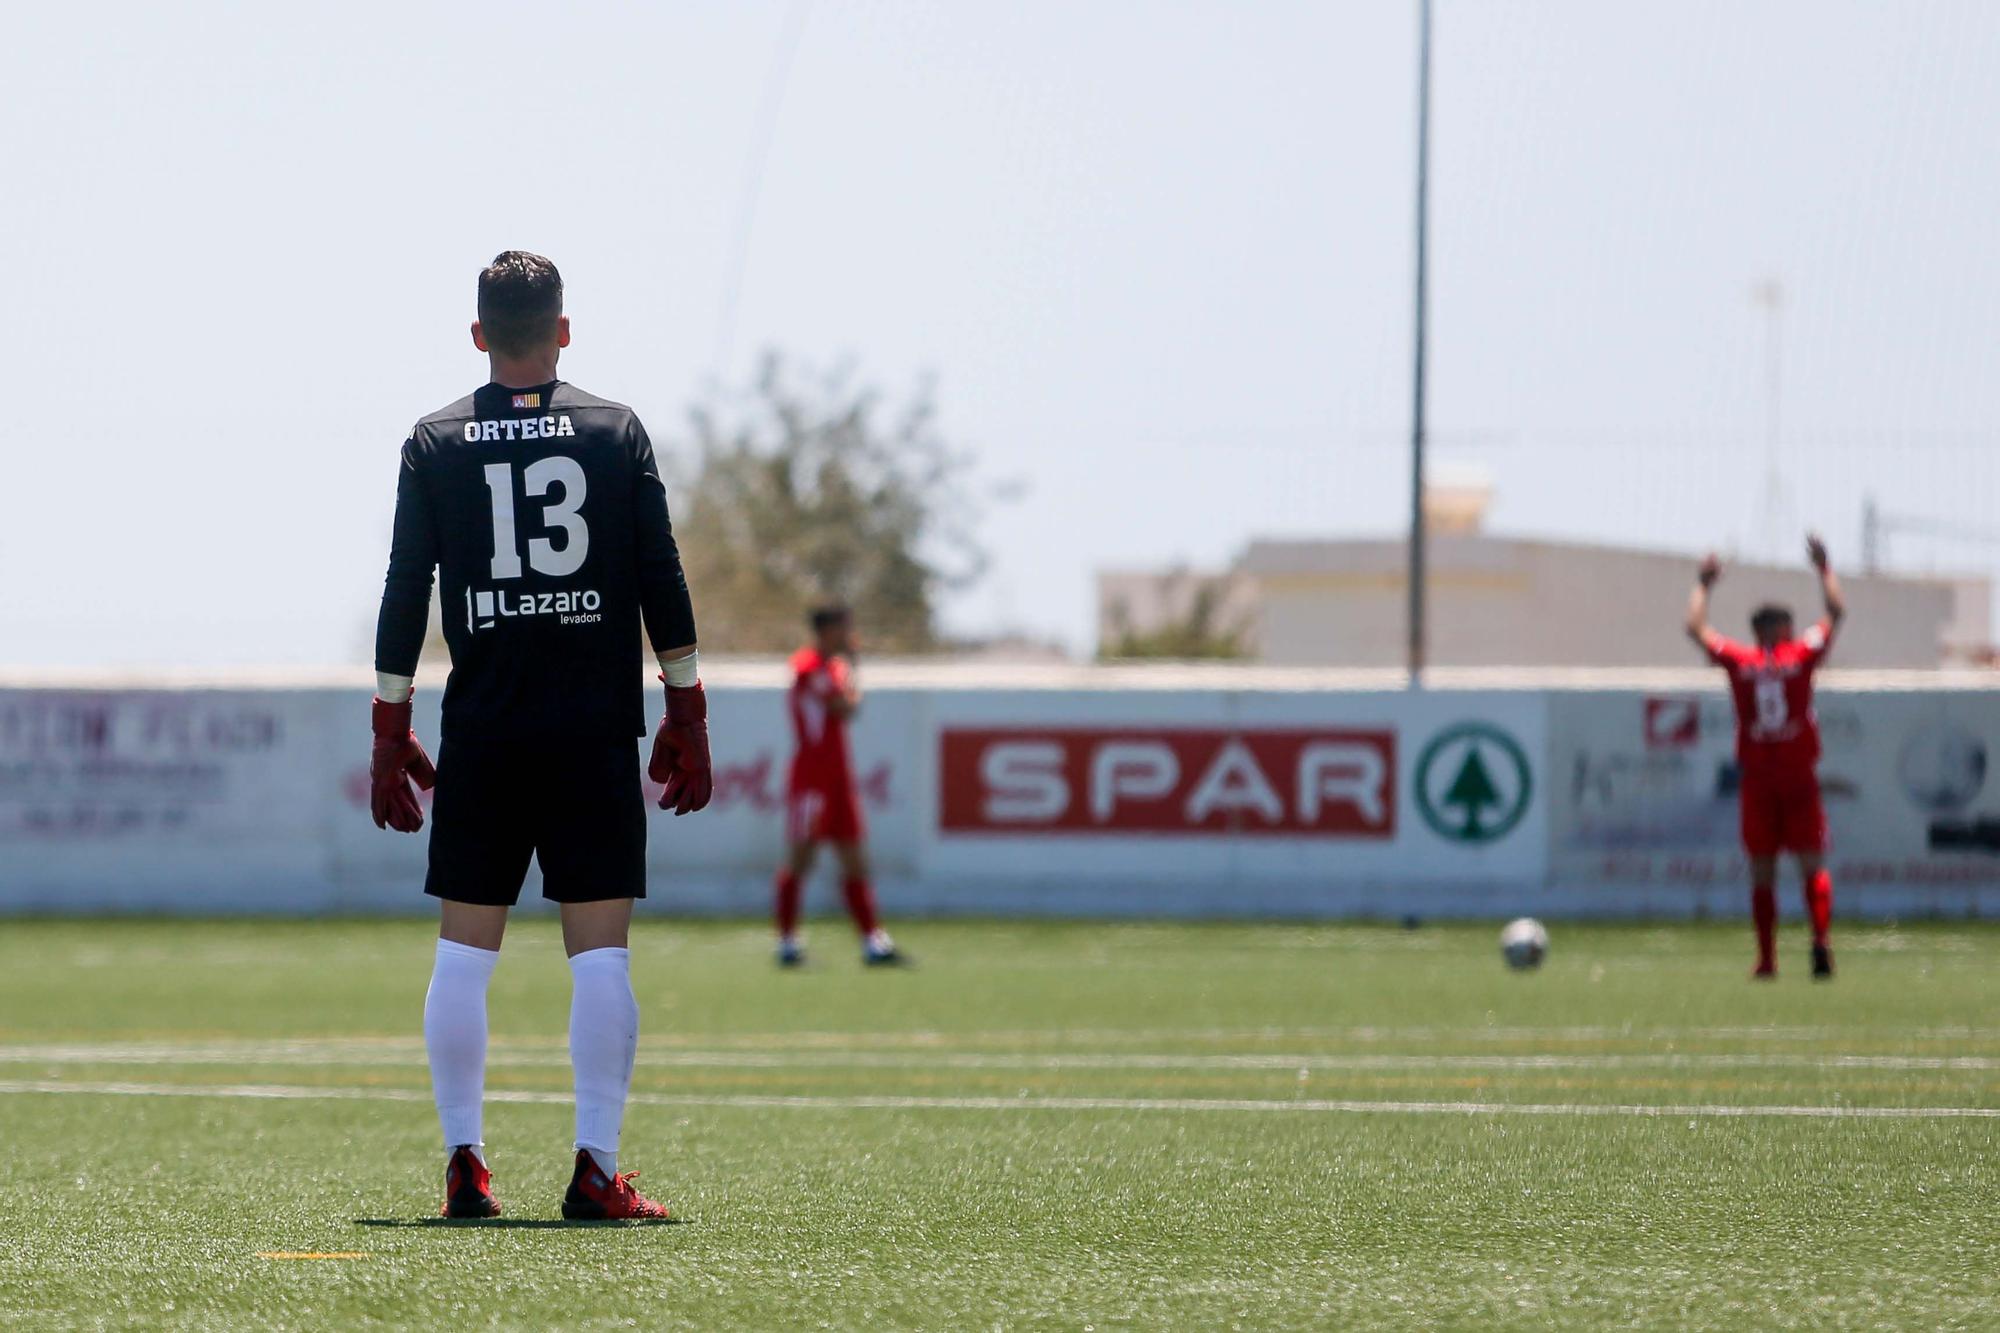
1511	601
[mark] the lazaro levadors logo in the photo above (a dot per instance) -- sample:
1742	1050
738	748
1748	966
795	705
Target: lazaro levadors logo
1473	783
484	609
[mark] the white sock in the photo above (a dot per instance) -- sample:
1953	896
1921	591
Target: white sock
455	1037
603	1040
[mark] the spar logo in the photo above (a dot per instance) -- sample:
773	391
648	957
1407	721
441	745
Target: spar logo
1473	783
1156	780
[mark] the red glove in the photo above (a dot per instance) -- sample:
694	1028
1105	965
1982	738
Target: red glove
680	751
397	758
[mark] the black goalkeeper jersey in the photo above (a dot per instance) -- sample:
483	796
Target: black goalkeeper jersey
543	512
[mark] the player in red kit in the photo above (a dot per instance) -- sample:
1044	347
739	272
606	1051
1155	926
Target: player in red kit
822	802
1777	751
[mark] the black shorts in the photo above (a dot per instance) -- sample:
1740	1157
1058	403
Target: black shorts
575	806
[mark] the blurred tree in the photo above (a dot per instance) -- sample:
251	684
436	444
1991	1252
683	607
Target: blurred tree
808	489
1201	628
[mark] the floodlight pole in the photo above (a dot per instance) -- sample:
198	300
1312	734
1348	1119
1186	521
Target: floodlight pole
1417	534
1769	296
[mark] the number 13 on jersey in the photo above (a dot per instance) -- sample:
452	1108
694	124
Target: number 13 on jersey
566	512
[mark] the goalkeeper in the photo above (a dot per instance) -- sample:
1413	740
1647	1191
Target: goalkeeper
541	510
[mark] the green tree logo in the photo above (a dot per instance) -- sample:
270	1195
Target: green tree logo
1473	783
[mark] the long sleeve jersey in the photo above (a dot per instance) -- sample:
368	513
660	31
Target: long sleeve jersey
543	514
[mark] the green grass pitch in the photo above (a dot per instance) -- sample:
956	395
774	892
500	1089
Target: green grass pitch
1045	1126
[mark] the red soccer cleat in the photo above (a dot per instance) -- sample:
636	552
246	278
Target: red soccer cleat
1765	971
594	1197
468	1187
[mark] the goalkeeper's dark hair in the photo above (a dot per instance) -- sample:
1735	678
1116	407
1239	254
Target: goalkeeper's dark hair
824	618
1769	615
520	300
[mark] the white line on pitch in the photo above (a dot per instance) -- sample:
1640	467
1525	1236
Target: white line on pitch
335	1052
283	1092
927	1040
1363	1034
1367	1033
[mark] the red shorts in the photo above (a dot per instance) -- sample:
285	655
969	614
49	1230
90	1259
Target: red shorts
1782	815
819	814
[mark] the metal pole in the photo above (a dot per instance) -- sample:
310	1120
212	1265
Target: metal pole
1417	535
1770	298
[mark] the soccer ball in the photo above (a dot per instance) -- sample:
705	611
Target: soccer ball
1524	943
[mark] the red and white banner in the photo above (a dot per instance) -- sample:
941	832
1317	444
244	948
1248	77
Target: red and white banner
1168	780
1275	802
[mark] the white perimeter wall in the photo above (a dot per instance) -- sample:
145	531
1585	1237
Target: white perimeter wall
1170	802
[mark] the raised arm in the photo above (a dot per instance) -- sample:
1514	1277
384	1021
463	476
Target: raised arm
1697	611
1829	582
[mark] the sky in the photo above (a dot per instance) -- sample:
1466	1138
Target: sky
1156	255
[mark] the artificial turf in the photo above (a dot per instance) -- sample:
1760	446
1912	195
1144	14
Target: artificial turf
1061	1126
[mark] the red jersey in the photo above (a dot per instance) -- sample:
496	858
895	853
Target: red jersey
1777	732
822	761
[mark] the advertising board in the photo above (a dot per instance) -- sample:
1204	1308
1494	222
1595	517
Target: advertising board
1183	802
137	798
1226	803
1643	802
